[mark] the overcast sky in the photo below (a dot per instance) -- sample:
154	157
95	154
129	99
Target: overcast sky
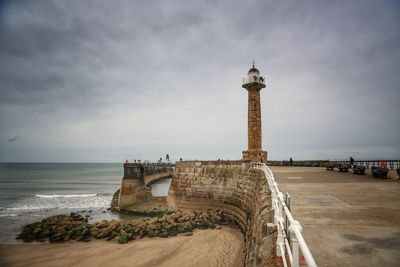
105	81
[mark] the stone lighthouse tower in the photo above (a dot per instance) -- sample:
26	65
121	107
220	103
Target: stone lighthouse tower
253	83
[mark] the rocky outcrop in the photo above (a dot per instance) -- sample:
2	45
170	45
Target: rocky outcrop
63	228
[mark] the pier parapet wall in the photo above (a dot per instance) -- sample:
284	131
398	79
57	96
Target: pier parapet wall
242	194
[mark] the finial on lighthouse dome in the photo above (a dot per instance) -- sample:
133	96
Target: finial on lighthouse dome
254	69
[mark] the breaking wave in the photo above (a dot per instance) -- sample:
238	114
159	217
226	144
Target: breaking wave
65	196
8	215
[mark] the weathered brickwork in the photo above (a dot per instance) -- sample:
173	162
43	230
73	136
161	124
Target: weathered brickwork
254	150
254	120
132	191
242	194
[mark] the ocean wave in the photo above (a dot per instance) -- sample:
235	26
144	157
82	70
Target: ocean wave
65	196
58	201
8	215
25	208
104	194
50	208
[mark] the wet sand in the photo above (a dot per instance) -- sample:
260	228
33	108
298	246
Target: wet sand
223	247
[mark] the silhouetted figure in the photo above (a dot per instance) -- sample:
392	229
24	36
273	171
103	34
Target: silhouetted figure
141	171
180	159
351	162
291	162
167	157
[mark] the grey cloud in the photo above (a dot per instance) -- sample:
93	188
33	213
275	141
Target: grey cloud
12	139
72	69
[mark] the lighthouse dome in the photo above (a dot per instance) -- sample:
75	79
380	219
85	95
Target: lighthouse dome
253	70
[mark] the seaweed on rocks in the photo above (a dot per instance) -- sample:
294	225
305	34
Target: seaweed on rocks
62	228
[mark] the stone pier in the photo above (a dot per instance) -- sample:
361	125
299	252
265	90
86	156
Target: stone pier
242	194
134	186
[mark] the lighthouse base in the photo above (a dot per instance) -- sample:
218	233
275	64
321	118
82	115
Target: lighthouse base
255	155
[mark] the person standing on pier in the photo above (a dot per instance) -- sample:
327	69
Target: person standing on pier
351	162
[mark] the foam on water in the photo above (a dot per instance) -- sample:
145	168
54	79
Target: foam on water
40	203
8	215
30	192
67	196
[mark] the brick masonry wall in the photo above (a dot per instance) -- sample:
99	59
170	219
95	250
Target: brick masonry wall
242	194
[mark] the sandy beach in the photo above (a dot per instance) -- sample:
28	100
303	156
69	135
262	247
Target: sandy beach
223	247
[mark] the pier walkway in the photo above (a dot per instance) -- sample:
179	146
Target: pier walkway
347	219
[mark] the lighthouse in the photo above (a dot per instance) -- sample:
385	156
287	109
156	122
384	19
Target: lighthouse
253	83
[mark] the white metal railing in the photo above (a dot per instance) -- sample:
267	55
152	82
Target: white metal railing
289	238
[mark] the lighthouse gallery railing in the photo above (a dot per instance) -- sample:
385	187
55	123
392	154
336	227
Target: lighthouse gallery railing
289	238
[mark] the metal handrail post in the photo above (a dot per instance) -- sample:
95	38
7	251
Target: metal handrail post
283	216
295	250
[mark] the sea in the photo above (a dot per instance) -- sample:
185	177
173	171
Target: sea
30	192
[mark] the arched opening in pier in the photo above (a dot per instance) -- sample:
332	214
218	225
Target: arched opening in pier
160	187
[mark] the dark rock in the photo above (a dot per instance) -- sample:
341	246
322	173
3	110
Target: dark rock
105	232
173	232
152	227
59	237
142	233
141	225
164	234
37	232
130	236
112	236
85	232
188	227
211	225
46	233
150	232
71	233
123	237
